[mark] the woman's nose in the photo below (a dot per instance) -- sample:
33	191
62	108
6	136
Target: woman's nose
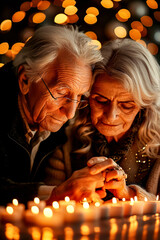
112	112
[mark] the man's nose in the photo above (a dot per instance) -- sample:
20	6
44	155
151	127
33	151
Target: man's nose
70	109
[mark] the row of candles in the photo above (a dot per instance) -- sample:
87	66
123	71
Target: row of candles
69	211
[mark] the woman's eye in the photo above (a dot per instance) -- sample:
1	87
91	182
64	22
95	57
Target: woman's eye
127	106
101	100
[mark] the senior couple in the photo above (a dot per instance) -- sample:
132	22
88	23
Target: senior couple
111	145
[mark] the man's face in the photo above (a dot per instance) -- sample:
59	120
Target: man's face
65	77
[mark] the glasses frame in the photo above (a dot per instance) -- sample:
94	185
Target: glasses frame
67	98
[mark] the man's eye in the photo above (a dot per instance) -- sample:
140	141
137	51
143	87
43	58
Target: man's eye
62	92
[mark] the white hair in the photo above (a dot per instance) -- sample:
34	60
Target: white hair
43	48
137	69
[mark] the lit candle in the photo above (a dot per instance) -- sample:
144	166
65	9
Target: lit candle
87	212
137	207
64	203
149	207
11	215
127	207
158	204
20	207
116	209
30	214
40	204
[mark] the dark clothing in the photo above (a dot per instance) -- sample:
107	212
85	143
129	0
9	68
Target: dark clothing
16	178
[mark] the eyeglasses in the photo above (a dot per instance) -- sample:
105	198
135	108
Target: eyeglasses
64	100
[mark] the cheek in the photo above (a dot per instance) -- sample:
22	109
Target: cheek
95	115
128	119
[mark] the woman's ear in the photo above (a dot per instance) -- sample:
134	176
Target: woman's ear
23	81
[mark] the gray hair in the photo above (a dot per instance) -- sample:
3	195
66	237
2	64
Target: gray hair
43	48
137	69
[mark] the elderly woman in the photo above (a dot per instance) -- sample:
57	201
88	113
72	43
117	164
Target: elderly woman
120	131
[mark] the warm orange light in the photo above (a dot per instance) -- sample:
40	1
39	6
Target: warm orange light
9	210
68	3
36	200
90	19
144	32
137	25
135	34
85	205
55	205
141	42
43	5
96	43
85	230
6	25
35	3
114	200
157	15
60	18
12	232
120	32
18	16
70	209
153	48
70	10
107	4
124	13
67	199
1	65
17	47
120	19
91	35
48	212
73	18
147	21
97	204
25	6
4	47
15	202
34	209
38	17
152	4
92	10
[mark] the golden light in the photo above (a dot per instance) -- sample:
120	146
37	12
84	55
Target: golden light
141	42
43	5
17	47
120	19
85	230
55	205
96	43
120	32
1	65
107	4
9	210
153	48
85	205
18	16
36	200
47	234
137	25
12	232
91	35
124	13
60	18
10	54
34	209
73	18
6	25
15	202
97	204
35	233
4	47
35	3
114	200
68	3
38	17
144	32
92	10
66	199
157	15
70	209
147	21
70	10
152	4
25	6
135	34
48	212
145	199
90	19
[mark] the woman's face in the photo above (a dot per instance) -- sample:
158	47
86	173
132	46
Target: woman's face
113	108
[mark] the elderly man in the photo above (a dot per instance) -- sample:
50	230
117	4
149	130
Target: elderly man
40	91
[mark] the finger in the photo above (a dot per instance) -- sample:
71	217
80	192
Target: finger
101	193
94	160
113	184
99	167
115	174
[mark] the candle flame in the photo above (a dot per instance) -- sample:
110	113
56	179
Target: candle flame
123	199
70	209
97	204
145	199
36	200
48	212
15	202
131	201
67	199
114	200
34	209
55	205
157	198
135	198
9	210
86	205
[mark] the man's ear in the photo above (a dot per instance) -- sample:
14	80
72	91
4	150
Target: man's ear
23	81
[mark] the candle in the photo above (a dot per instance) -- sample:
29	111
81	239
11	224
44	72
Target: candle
11	215
158	204
36	202
49	218
87	212
30	214
149	207
64	203
137	207
116	209
127	208
20	207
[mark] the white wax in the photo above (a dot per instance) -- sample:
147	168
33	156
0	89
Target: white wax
158	207
56	220
104	211
137	207
115	210
29	216
14	217
41	205
88	214
149	207
127	211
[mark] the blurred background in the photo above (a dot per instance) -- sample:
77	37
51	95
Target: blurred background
101	20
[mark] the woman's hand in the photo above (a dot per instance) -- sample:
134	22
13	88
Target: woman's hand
82	184
115	177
